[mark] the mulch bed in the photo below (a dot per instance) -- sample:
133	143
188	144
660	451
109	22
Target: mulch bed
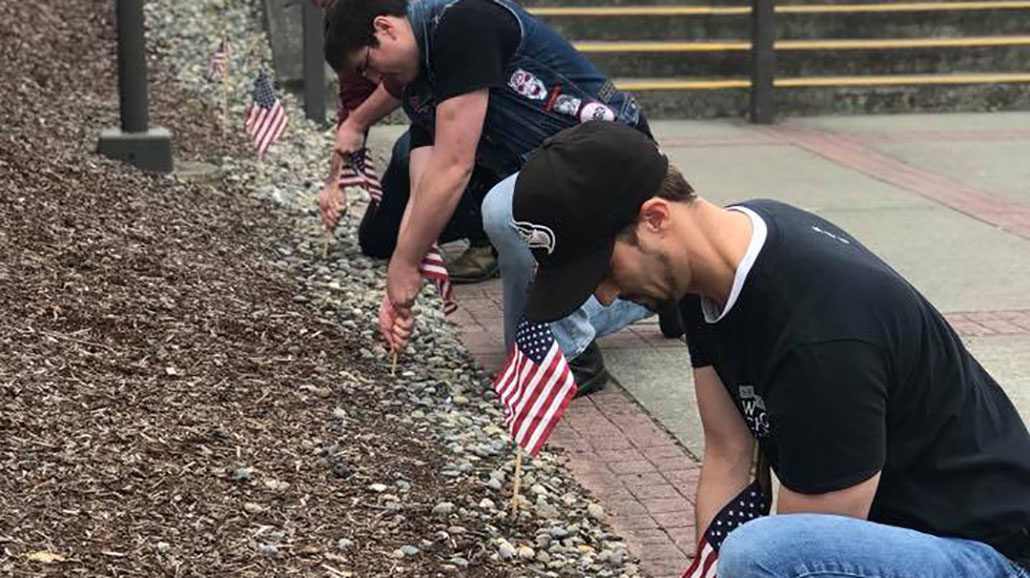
166	407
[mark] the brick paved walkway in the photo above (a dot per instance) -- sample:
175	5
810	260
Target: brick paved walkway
636	470
632	465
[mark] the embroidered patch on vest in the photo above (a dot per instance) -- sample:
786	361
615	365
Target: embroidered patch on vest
596	111
606	92
535	236
528	85
568	105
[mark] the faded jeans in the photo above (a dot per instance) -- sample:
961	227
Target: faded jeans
573	333
826	546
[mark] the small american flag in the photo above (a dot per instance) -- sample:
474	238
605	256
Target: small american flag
535	385
749	504
432	267
266	117
216	68
360	172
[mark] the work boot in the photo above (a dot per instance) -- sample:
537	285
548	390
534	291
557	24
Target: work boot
476	264
588	370
669	320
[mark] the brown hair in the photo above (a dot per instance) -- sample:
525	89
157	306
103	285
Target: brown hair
674	188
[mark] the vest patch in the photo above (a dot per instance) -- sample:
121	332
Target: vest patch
596	111
528	85
567	105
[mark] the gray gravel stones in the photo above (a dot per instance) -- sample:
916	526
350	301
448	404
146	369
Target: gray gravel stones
443	509
438	387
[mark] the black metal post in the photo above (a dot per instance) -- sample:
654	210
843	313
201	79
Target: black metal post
314	66
763	64
149	149
132	66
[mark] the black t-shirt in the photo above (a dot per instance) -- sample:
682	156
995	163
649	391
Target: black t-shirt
842	369
473	42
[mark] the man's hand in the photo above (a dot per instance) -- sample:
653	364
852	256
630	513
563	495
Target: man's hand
349	138
332	201
395	324
396	318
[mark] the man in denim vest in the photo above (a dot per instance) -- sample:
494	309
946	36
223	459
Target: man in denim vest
484	84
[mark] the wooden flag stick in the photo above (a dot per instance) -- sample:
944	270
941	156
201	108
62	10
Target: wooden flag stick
393	364
225	85
518	480
325	244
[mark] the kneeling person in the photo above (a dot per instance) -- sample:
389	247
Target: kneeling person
898	453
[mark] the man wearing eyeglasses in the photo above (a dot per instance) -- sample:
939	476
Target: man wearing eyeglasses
484	84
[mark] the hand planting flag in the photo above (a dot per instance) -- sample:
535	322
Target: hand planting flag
360	172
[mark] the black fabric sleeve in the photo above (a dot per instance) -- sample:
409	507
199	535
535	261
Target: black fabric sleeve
473	43
696	331
827	406
420	136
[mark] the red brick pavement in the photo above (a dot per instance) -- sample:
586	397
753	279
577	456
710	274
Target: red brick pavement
635	469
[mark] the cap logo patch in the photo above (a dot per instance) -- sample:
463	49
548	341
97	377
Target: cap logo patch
535	236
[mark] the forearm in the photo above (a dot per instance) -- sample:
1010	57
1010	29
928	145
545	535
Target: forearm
379	104
722	478
433	200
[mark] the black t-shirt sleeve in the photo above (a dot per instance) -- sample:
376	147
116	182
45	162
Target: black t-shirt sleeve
420	137
472	45
827	406
696	331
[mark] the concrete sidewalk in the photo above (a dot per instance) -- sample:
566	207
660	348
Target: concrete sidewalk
944	198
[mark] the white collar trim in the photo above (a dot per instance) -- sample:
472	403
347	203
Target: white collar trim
759	232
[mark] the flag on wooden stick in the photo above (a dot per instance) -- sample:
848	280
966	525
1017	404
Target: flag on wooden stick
216	68
535	385
266	117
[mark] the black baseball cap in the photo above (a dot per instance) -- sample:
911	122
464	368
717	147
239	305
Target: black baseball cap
574	195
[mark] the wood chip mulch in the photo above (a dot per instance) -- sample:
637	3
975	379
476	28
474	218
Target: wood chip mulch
166	407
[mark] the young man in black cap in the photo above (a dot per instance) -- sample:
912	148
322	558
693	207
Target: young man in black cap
905	456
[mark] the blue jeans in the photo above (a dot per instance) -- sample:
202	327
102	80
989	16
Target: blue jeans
810	545
573	333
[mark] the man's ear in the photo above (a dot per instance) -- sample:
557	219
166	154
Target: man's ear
383	25
655	216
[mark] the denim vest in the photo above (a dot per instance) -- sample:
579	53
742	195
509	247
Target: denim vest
548	87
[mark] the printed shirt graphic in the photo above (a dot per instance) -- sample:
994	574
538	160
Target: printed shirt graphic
752	406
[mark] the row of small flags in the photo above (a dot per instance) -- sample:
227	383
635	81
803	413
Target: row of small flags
535	385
